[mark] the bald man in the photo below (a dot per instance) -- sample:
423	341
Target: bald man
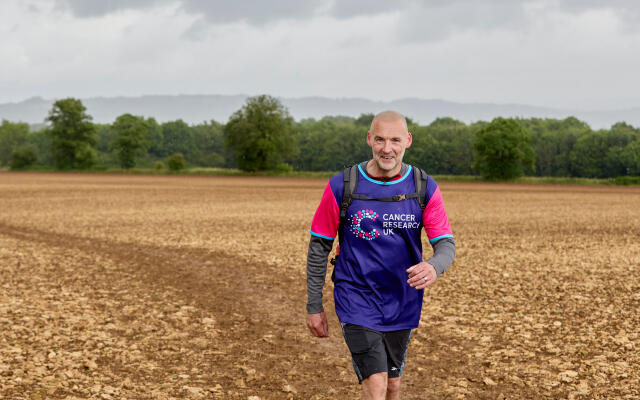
379	276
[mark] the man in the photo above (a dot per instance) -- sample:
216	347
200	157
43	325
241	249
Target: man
379	276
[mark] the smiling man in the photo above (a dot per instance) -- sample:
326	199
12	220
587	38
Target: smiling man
378	209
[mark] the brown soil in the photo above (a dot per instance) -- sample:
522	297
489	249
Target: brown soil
193	287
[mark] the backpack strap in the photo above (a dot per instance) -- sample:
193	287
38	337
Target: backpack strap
397	197
420	180
348	192
349	189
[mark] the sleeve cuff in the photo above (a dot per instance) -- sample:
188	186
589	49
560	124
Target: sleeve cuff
435	239
322	236
314	308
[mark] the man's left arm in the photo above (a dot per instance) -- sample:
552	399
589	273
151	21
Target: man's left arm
436	225
444	251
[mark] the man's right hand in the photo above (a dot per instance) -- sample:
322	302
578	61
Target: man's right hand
317	324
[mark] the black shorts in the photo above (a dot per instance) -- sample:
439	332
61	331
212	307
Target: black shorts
374	351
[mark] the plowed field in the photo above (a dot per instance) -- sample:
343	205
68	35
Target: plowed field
137	287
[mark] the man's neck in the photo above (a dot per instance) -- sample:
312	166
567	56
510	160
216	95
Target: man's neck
374	172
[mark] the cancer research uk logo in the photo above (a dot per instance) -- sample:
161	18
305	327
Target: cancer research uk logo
361	223
356	228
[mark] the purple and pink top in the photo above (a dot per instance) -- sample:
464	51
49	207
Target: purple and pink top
381	240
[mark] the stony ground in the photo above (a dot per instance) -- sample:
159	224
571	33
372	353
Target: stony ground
138	287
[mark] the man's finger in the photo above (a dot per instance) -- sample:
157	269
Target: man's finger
321	331
416	279
316	331
425	284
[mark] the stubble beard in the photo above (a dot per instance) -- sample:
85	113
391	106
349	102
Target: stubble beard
384	167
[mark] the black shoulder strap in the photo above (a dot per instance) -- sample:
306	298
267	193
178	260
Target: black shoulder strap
420	179
349	188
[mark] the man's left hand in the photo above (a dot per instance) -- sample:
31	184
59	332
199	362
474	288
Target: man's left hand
419	272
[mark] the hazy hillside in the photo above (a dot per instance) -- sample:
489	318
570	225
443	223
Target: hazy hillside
198	108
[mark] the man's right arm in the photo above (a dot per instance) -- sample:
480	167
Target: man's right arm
324	229
317	255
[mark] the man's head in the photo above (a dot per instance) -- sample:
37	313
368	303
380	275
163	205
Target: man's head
388	138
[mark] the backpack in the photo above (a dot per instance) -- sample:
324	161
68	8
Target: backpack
349	194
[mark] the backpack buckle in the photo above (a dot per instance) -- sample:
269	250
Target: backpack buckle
399	197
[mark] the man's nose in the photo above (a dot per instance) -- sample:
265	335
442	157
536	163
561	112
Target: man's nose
387	147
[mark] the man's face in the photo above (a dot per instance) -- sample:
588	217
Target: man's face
388	140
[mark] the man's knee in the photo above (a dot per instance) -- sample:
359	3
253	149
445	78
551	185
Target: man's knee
393	385
375	385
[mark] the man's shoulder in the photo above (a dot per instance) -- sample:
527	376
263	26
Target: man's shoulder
337	180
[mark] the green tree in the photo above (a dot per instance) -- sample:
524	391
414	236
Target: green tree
631	157
425	151
365	120
176	162
619	137
154	135
503	149
177	138
331	144
589	154
130	139
22	157
12	135
105	134
209	145
261	134
448	148
40	141
72	135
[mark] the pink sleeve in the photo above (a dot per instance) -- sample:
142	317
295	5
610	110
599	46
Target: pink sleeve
327	217
434	218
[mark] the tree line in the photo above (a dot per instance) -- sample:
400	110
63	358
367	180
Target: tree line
263	136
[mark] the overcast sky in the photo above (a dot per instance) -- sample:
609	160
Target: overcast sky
562	53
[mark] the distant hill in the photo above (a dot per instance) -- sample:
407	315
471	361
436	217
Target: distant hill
199	108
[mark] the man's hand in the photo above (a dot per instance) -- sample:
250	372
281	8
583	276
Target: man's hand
419	272
317	324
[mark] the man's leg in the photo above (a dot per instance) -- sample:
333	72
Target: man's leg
393	388
378	359
375	387
396	344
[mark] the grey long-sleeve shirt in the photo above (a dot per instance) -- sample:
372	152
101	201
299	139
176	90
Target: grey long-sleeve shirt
444	251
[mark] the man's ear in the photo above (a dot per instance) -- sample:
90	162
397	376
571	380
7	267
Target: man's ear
369	138
409	139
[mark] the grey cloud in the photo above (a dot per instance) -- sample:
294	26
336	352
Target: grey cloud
216	11
253	11
584	5
451	14
197	31
356	8
83	8
627	10
436	19
433	21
